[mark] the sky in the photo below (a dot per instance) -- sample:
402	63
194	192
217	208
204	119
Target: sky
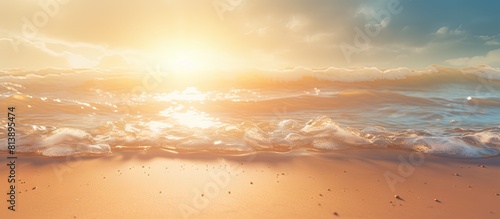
226	34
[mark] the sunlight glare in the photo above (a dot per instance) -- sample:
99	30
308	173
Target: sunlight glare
188	94
190	118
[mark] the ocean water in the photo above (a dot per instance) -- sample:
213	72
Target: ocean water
436	110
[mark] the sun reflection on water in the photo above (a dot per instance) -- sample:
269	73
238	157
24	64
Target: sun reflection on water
186	115
190	117
188	94
193	94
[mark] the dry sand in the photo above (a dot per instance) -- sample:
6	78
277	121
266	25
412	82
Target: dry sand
342	184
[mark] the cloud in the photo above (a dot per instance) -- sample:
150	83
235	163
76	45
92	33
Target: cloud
31	57
442	30
446	31
296	22
486	37
319	37
491	58
43	52
492	43
307	33
113	61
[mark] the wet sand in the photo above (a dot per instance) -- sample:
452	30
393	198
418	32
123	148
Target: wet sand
341	184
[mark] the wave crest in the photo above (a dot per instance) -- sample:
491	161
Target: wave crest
319	134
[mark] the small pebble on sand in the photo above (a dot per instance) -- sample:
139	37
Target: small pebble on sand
437	200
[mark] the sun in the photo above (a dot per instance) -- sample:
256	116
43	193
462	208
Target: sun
186	62
186	58
189	58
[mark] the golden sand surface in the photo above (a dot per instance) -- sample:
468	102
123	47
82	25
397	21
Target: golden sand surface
340	184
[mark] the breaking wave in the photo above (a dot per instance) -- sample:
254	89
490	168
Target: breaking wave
319	134
435	110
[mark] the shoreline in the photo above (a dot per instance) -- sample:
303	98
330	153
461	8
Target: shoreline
345	184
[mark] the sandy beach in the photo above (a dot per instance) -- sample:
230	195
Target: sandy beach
249	109
343	184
